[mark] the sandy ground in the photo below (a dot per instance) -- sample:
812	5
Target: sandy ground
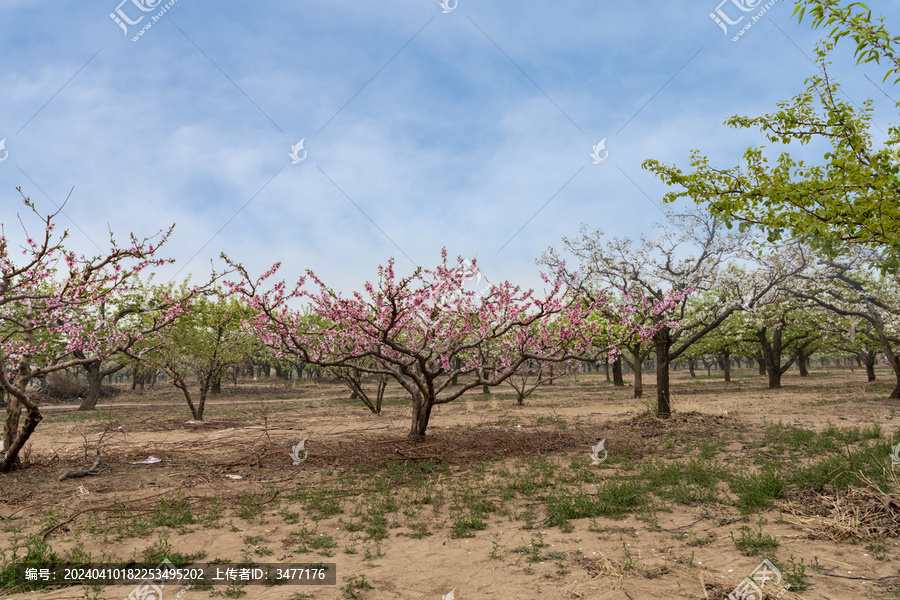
617	559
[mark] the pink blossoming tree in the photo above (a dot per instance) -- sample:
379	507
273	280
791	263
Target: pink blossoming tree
50	314
406	328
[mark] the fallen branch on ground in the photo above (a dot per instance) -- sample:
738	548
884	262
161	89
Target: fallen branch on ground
94	469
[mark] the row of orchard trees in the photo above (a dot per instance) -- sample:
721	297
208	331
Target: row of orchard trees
833	242
778	303
693	291
59	311
427	331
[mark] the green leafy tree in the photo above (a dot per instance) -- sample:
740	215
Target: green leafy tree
851	196
854	20
207	340
138	315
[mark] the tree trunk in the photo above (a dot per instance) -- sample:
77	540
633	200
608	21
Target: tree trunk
637	369
606	365
618	381
198	415
869	361
379	395
662	344
771	352
421	413
14	438
216	388
726	364
95	379
354	381
896	393
760	363
485	390
11	425
802	357
196	411
638	379
11	460
691	364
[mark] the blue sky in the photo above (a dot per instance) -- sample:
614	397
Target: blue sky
470	129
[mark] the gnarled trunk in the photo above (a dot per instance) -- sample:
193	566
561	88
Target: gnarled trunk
802	364
638	379
421	413
14	438
95	375
771	352
869	360
485	389
760	363
196	409
95	379
662	343
637	369
618	381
